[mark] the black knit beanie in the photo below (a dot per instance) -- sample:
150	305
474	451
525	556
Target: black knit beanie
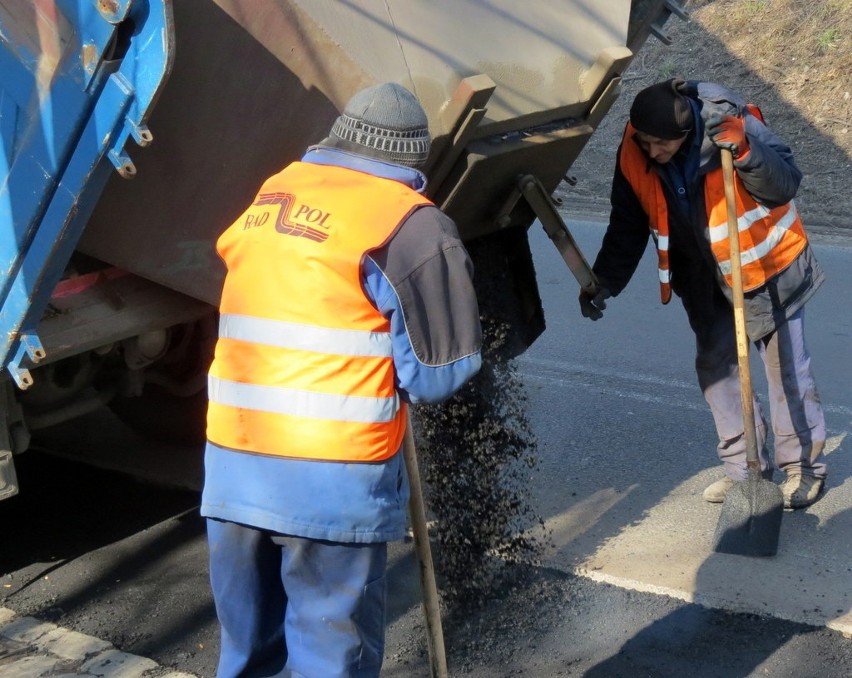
662	111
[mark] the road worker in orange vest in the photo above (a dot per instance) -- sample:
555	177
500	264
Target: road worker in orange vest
348	296
668	186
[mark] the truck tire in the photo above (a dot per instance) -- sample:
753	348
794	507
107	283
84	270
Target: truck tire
172	405
163	417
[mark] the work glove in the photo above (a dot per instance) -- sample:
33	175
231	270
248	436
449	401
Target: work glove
728	131
592	302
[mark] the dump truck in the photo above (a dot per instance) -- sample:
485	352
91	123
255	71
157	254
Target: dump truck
135	131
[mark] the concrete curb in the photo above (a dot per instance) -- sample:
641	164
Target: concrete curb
33	649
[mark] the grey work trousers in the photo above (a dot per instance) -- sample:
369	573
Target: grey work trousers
796	415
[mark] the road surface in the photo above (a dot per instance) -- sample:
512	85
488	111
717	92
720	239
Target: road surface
105	574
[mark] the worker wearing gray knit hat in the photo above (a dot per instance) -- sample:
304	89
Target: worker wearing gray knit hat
668	186
348	296
385	122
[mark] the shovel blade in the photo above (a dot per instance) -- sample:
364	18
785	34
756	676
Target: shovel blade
750	522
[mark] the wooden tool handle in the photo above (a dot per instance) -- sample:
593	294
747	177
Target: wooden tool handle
739	314
431	603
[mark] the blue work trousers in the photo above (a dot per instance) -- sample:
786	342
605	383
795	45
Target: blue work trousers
294	607
796	415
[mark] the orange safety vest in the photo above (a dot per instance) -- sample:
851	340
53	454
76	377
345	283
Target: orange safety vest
303	367
770	239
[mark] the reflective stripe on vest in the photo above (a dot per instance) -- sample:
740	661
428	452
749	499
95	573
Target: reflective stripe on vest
305	337
302	403
770	239
304	366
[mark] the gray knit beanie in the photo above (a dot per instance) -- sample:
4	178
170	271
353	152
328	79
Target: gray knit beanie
662	111
386	122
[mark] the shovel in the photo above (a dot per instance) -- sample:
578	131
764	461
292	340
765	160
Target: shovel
428	586
750	522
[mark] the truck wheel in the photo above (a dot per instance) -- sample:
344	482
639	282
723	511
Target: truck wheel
161	416
172	405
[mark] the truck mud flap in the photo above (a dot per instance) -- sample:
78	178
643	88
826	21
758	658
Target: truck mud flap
8	477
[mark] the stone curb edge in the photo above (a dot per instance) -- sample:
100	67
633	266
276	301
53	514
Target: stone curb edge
29	647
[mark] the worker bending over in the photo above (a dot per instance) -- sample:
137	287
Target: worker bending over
668	184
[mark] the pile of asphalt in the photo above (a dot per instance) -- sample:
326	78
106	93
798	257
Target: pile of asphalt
478	455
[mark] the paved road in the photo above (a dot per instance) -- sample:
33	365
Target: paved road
637	461
626	446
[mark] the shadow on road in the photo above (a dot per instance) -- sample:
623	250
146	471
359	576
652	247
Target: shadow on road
110	556
694	641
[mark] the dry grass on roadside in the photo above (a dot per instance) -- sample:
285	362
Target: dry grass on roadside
803	47
793	58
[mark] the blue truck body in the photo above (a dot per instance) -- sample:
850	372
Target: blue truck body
66	118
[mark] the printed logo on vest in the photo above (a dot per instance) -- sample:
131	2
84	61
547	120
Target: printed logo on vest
303	221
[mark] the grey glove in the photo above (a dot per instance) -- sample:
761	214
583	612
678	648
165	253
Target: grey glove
592	302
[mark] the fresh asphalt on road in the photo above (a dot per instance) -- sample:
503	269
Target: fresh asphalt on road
625	428
626	446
